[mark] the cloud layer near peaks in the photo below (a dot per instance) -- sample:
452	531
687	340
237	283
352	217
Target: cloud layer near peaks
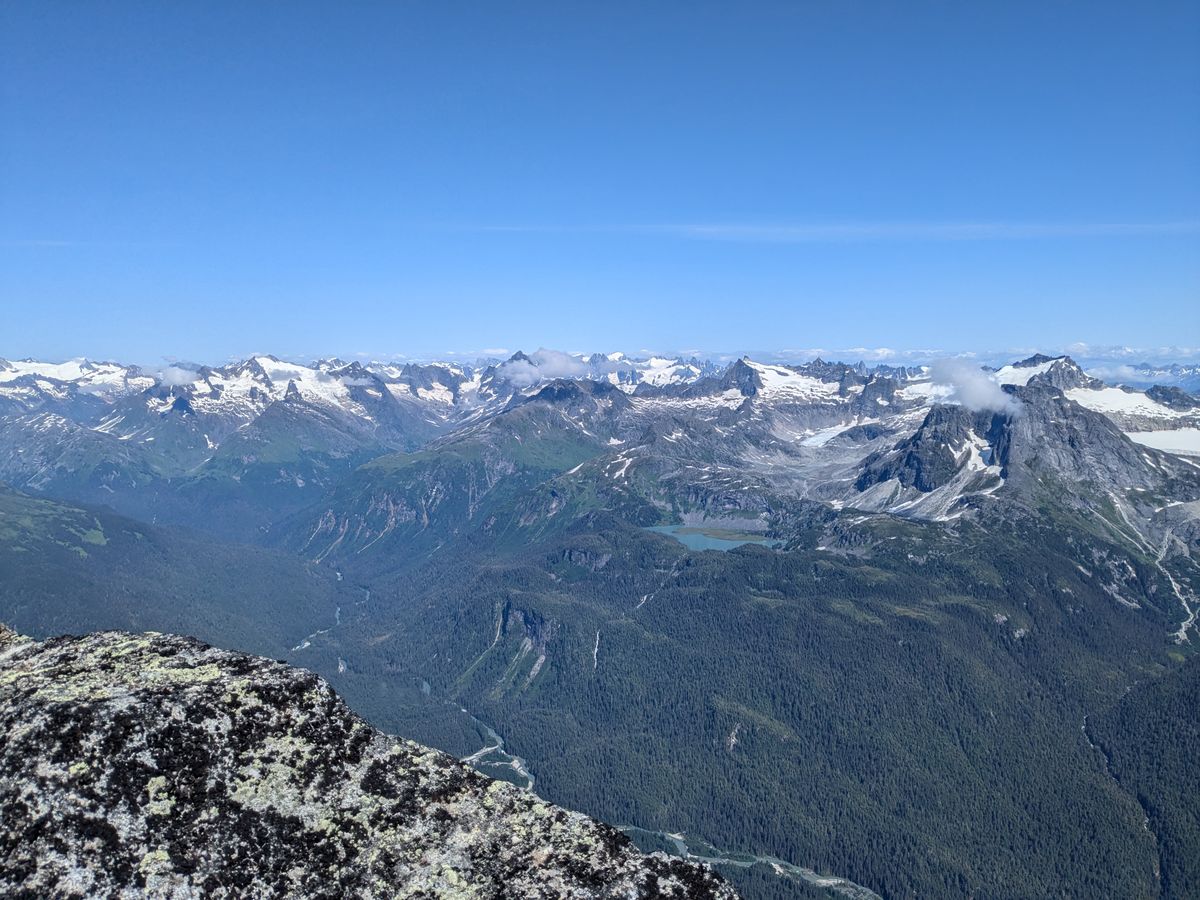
545	365
969	385
541	365
173	376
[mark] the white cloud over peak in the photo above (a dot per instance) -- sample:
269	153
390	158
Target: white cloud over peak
971	386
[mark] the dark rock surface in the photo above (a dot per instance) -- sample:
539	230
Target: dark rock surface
154	765
932	456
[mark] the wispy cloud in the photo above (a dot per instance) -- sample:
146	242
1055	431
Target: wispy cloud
23	244
850	232
969	385
38	243
765	233
928	231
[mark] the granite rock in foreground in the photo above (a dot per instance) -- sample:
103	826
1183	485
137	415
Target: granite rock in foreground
154	765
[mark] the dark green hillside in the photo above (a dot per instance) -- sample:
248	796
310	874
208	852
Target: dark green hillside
912	724
64	569
396	509
1151	739
283	461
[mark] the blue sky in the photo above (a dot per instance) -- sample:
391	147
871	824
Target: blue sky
204	179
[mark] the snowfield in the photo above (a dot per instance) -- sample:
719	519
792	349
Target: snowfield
1022	375
1116	400
782	383
1181	441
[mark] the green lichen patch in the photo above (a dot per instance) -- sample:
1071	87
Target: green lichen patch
169	768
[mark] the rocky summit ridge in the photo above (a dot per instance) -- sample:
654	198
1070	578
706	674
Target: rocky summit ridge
155	765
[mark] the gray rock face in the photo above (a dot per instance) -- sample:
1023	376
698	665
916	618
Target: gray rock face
1064	373
1055	436
1174	398
930	458
153	765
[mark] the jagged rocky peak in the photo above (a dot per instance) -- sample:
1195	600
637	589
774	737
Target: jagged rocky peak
580	395
1061	372
880	390
1174	398
1054	435
250	367
155	765
940	448
743	377
834	371
1038	359
292	394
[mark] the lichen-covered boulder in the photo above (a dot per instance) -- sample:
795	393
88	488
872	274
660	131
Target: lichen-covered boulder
153	765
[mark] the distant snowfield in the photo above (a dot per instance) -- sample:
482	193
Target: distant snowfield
1017	374
658	372
927	391
780	381
68	371
1116	400
80	371
825	435
1182	441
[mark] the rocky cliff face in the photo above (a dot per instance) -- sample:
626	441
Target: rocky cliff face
155	765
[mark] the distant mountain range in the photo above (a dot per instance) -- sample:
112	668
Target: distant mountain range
186	440
814	620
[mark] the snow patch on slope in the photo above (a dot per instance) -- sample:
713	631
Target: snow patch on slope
780	382
1180	441
1115	400
1022	375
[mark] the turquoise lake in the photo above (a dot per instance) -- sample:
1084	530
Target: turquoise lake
696	537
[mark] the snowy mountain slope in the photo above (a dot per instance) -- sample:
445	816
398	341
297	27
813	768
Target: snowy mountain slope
1059	371
1166	418
762	439
751	443
744	440
101	378
212	448
77	389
